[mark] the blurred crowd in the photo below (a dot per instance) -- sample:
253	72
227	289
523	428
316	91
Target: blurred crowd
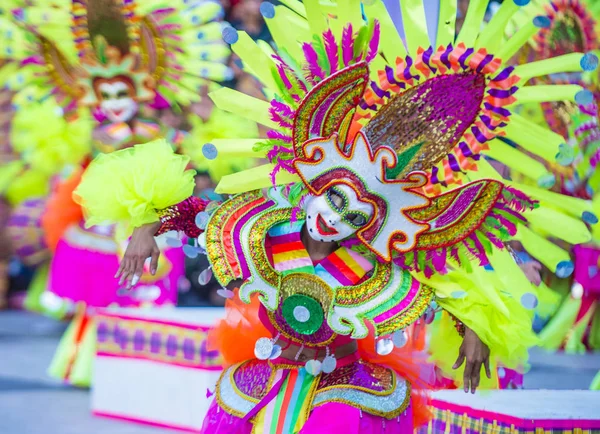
16	277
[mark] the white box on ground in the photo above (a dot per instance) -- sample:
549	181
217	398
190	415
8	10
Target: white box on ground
153	366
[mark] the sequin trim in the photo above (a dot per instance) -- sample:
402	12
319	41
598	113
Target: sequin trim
388	406
230	398
220	256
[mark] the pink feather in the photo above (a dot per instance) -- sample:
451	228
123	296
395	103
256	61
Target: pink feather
282	121
312	61
276	135
283	109
287	71
347	45
374	42
331	48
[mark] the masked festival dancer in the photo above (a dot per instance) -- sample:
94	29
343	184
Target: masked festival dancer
355	233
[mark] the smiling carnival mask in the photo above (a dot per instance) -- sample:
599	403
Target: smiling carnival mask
116	98
337	214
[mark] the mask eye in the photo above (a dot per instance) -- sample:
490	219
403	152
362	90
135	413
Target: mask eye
122	94
356	219
337	199
104	95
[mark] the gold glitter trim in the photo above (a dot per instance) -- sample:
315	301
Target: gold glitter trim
215	250
407	316
256	242
388	415
218	397
466	223
358	294
390	389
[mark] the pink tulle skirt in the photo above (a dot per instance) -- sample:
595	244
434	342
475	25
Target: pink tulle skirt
331	418
85	263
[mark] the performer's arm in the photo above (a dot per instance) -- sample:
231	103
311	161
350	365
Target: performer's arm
180	217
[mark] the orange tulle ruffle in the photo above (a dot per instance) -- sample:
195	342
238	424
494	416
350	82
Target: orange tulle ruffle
61	211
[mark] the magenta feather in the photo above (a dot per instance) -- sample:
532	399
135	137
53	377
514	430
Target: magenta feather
284	78
347	45
331	48
374	42
286	71
312	62
276	135
283	109
282	121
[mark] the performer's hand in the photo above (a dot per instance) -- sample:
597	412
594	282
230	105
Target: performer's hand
476	354
532	270
141	247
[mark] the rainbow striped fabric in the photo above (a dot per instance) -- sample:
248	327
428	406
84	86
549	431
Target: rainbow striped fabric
288	411
342	268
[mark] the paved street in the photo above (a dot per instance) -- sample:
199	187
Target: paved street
31	403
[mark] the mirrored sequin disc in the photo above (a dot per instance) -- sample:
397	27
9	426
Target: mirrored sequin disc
230	35
276	352
577	290
384	347
529	300
547	180
301	314
458	294
202	240
542	22
205	276
174	242
202	220
589	62
225	293
592	271
399	338
313	367
209	151
267	10
328	365
501	372
589	217
263	348
190	251
564	269
584	97
429	315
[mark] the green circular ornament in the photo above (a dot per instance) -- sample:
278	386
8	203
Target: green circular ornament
303	314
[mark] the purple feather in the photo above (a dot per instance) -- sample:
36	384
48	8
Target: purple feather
494	240
284	77
283	109
347	45
374	42
312	62
288	71
331	48
510	226
282	121
276	135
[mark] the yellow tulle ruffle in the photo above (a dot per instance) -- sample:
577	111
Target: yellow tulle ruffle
498	318
220	125
128	186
